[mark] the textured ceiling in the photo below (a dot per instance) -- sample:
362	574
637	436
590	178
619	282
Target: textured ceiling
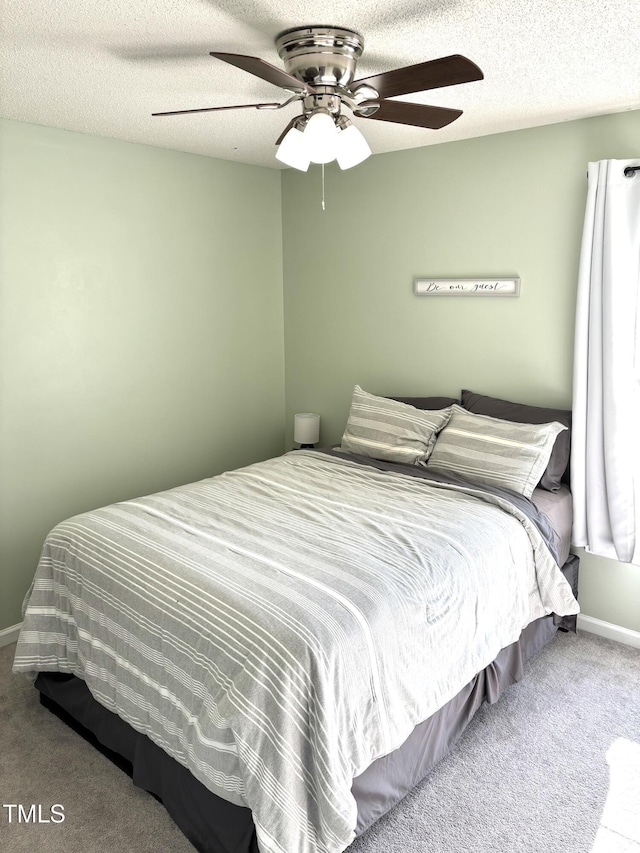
103	66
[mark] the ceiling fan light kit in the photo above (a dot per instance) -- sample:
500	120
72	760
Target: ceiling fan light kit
320	66
322	142
321	137
352	147
292	151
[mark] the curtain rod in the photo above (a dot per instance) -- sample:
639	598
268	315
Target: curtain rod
629	171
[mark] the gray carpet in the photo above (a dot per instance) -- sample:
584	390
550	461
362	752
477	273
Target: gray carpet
554	765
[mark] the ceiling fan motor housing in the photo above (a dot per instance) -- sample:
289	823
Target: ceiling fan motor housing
321	55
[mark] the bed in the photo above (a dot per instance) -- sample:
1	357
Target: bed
281	652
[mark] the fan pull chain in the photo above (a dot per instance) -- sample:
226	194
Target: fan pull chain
323	186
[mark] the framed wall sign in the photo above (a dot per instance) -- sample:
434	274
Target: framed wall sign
466	287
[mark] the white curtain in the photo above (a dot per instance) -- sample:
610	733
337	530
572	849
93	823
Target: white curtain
605	462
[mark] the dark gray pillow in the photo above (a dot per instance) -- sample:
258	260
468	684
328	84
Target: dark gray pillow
427	402
520	413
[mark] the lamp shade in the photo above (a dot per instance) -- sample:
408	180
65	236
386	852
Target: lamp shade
292	151
352	147
306	428
321	138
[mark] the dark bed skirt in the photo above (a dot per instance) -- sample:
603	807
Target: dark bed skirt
214	825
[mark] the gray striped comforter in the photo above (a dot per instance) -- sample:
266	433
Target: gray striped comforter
277	628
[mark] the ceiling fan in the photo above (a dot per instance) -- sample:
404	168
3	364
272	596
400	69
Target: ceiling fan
320	66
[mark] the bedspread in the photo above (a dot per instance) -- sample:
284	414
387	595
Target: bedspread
277	628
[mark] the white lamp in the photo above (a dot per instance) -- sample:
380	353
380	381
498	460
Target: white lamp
292	151
352	147
306	429
321	137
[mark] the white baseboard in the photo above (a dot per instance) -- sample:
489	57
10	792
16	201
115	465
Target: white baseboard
9	635
609	630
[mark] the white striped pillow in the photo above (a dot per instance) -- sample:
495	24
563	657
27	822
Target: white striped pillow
496	452
386	429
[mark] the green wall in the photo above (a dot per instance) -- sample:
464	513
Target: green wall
507	204
141	337
141	308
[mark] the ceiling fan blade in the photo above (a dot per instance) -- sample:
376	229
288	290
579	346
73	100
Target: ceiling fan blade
214	109
420	115
264	70
434	74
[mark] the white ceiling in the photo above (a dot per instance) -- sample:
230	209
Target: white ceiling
103	66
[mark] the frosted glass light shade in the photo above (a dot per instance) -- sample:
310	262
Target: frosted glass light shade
306	428
292	151
321	138
352	147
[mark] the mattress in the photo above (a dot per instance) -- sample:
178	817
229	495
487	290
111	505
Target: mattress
557	507
278	629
